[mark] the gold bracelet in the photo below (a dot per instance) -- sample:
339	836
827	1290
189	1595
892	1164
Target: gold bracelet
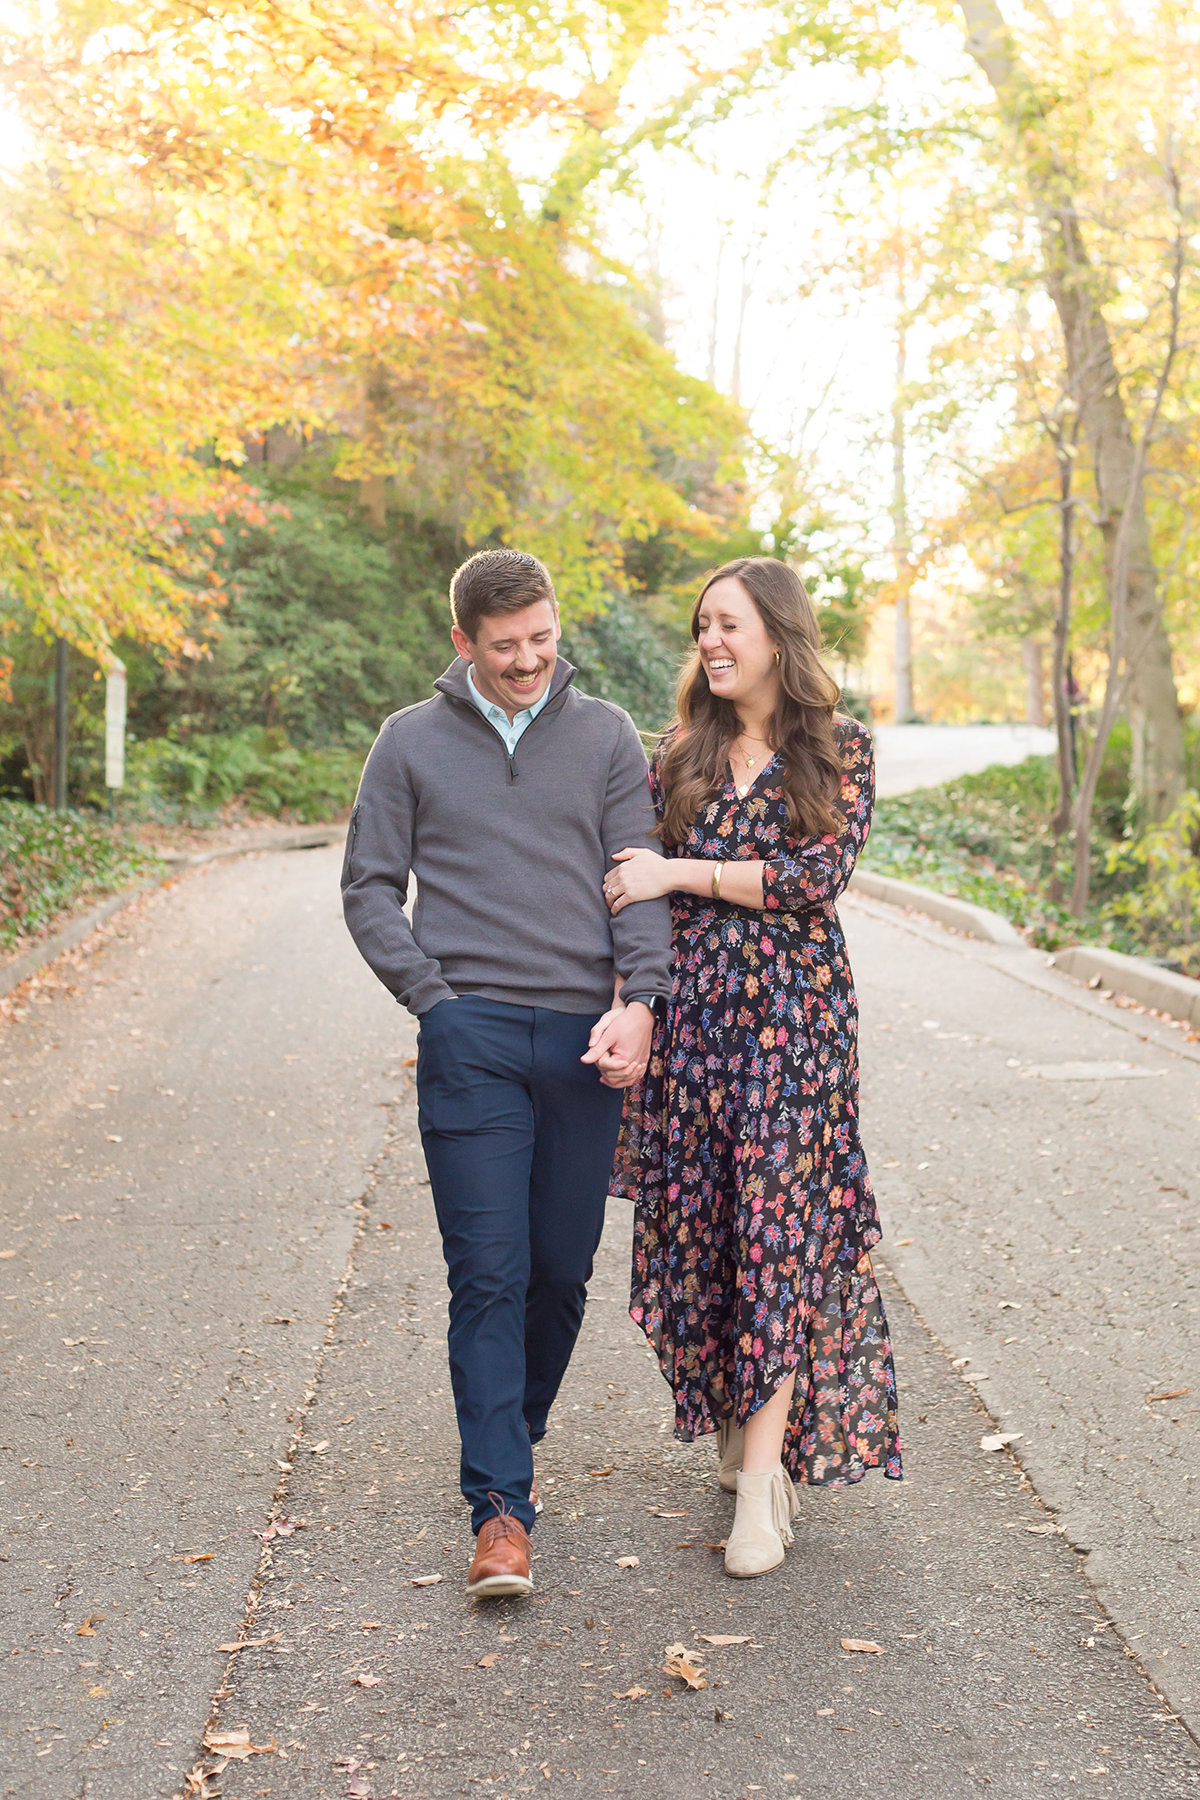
716	885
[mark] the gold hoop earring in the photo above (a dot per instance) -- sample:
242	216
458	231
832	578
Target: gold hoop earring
777	659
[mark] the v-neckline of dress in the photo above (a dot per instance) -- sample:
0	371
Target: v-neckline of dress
737	792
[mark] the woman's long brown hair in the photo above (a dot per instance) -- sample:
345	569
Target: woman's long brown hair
801	731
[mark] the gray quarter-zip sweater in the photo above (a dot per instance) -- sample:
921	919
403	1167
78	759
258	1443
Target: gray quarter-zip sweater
509	854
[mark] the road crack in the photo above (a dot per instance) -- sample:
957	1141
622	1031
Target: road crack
207	1763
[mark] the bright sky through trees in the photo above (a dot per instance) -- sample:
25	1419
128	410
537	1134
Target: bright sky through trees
529	267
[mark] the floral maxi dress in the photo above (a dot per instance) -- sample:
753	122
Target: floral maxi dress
754	1212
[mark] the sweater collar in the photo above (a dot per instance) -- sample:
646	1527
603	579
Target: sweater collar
454	682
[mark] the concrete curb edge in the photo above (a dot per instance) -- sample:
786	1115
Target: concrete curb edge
962	915
303	837
1160	989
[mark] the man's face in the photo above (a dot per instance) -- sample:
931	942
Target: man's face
513	656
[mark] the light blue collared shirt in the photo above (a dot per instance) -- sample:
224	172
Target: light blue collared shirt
496	715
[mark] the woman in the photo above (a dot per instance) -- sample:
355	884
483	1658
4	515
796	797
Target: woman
740	1147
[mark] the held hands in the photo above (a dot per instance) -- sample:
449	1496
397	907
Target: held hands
645	875
619	1044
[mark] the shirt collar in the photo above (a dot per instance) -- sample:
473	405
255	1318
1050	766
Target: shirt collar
491	711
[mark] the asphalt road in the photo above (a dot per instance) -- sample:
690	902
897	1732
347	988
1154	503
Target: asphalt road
914	756
225	1304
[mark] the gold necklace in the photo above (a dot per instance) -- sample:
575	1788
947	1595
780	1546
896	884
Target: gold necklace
749	761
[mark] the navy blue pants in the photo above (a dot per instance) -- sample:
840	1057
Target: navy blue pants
519	1138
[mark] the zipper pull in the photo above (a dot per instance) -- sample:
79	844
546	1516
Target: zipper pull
512	769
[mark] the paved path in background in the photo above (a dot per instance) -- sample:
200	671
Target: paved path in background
226	1297
916	756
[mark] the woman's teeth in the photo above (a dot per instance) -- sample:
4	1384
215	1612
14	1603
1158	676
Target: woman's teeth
718	667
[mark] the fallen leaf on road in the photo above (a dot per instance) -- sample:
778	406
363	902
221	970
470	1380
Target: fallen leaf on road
633	1693
900	1241
408	1062
282	1526
996	1440
251	1643
200	1556
660	1512
111	1138
85	1630
370	1624
319	1449
425	1580
721	1639
1042	1530
627	1562
864	1645
1175	1394
5	1254
1009	1305
367	1681
716	1548
685	1666
826	1712
489	1661
65	1218
597	1473
235	1745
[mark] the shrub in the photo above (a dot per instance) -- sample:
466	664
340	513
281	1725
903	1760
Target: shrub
1162	905
50	861
262	767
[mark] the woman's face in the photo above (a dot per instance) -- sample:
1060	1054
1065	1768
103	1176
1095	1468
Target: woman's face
738	654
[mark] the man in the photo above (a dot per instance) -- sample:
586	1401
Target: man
506	795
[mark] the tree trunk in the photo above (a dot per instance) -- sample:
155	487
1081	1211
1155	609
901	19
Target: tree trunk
1035	681
901	543
372	497
1061	675
1157	729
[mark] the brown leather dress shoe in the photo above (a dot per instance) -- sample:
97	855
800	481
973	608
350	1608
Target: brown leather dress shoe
501	1564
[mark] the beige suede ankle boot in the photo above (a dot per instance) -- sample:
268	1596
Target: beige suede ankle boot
762	1524
730	1443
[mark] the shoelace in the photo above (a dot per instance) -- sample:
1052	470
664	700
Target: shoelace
505	1519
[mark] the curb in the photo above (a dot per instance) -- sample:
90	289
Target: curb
1134	976
175	861
962	915
1160	989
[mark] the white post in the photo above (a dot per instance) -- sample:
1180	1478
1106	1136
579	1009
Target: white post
115	693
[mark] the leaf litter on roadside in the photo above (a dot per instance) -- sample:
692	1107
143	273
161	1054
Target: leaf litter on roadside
721	1638
281	1527
685	1666
235	1746
863	1646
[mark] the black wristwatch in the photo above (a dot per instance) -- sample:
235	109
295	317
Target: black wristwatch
653	1001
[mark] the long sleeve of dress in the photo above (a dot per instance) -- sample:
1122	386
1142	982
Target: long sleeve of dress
818	869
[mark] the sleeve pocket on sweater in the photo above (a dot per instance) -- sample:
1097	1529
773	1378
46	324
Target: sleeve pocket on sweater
351	841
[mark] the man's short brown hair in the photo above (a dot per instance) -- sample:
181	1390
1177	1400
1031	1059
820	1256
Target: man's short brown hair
497	581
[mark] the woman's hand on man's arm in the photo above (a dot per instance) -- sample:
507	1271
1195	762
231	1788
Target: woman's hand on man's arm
644	875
